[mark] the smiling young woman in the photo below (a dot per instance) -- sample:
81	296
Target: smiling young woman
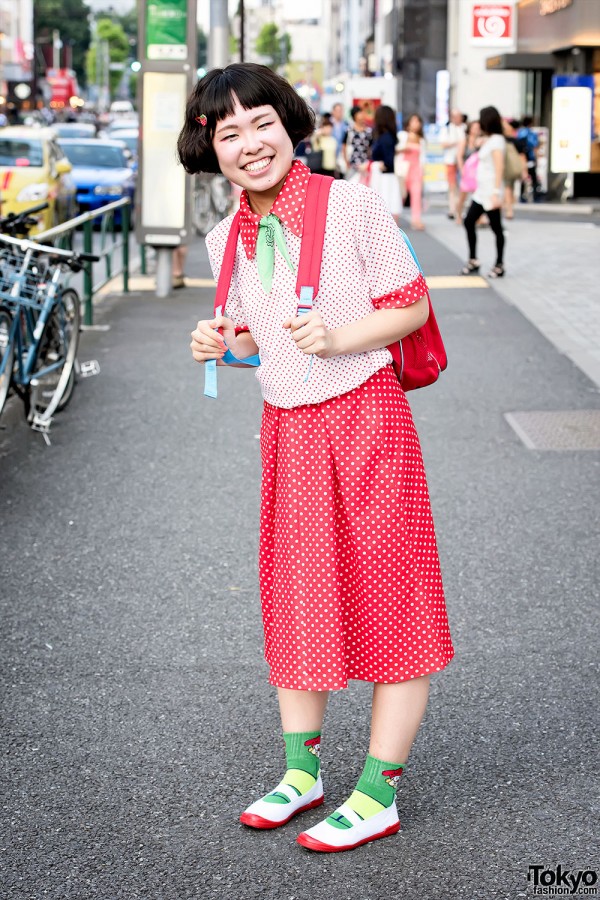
342	597
255	151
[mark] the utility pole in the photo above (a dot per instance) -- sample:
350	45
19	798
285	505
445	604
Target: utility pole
218	41
242	31
56	47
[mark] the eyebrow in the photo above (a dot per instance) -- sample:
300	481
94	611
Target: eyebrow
234	124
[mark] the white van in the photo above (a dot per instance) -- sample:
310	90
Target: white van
122	108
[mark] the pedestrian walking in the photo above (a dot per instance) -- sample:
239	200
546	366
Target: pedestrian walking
177	267
467	160
529	142
383	178
489	191
514	167
340	126
357	149
324	142
349	573
451	138
411	145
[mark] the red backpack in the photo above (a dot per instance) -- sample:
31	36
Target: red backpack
418	358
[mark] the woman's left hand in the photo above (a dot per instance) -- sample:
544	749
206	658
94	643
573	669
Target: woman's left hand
311	335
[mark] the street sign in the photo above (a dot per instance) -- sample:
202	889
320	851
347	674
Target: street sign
166	30
167	74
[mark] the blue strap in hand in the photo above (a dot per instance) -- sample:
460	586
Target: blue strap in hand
210	367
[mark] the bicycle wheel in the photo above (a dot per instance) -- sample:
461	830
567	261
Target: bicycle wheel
52	391
221	194
204	216
7	355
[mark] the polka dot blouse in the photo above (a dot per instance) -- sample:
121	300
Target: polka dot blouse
366	264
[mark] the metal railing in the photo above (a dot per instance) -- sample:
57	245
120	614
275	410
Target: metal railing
110	243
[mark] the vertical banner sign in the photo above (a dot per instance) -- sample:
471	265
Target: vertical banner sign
166	30
168	27
493	24
442	97
571	129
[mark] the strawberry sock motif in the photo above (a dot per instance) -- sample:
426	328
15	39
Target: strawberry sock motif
302	750
375	791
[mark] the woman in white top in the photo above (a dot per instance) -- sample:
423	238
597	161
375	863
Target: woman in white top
488	193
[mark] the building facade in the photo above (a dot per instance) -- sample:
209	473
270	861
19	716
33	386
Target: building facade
557	39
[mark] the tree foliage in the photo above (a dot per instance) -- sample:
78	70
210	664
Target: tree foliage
118	50
71	18
275	46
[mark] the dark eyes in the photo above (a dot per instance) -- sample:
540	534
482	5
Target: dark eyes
234	134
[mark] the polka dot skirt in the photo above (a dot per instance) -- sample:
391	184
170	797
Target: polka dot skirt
349	572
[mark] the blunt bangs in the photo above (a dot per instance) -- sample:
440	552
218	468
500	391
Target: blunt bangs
214	97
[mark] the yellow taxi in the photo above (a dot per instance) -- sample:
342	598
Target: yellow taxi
34	170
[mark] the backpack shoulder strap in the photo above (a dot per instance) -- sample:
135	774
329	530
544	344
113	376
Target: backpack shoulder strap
313	235
226	272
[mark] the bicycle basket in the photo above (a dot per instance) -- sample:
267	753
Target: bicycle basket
22	283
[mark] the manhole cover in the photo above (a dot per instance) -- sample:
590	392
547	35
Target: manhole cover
574	429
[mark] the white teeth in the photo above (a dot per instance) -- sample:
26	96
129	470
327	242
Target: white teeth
257	166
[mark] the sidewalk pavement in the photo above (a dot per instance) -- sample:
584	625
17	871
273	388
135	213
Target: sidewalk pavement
552	275
137	717
552	260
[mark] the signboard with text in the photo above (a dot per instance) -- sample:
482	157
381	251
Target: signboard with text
571	129
493	24
166	30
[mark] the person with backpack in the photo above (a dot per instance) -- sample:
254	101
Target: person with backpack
528	143
348	566
514	169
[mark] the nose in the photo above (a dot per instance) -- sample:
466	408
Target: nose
252	143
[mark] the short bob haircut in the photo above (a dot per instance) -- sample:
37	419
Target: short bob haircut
490	121
214	97
385	121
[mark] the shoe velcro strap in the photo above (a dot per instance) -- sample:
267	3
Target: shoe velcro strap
287	790
349	814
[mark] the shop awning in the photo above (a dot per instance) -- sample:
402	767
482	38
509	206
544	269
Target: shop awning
521	61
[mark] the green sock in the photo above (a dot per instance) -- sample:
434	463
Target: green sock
302	750
375	791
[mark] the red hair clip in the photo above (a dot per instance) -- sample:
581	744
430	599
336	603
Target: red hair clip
201	119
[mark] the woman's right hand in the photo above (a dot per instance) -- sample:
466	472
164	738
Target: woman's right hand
207	343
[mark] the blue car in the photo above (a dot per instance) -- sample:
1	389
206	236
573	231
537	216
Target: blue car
102	172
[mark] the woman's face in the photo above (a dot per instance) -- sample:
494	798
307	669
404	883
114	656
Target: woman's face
414	124
255	152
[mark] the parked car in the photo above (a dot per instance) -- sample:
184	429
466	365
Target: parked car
74	130
34	169
130	137
102	172
109	130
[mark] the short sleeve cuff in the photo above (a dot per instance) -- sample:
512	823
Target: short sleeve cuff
241	329
404	296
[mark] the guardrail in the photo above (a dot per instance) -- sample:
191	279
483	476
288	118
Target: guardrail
109	244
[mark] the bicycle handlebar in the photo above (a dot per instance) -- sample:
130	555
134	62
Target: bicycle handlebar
25	244
14	218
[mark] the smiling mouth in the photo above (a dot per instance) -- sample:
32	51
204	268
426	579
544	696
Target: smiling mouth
259	165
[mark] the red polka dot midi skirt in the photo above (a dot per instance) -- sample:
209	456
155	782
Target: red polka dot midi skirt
349	572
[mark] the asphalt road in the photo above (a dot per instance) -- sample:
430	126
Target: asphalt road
137	718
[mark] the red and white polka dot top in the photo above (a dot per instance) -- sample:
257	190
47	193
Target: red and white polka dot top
366	264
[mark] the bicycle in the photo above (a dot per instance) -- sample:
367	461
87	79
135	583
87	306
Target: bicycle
40	321
20	224
211	196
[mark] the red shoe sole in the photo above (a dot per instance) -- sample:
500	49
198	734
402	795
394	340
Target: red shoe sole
254	821
311	844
